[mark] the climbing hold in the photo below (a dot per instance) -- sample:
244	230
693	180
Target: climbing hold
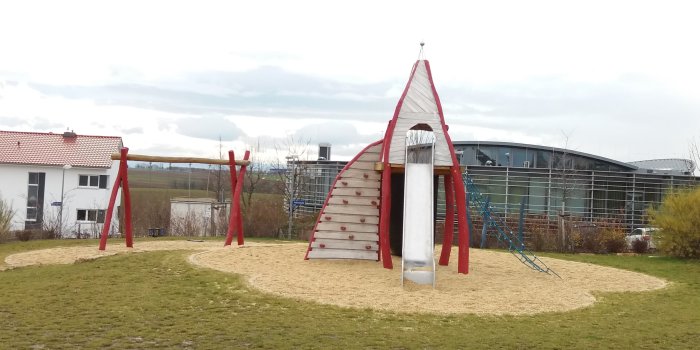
328	218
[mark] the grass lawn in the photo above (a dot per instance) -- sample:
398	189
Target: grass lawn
157	300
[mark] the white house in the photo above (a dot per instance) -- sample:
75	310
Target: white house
44	174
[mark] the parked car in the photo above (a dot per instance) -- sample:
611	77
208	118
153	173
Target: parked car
642	234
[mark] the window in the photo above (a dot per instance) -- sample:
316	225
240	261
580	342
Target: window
97	181
91	215
35	196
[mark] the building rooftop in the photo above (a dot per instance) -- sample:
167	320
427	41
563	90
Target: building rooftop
35	148
666	166
623	165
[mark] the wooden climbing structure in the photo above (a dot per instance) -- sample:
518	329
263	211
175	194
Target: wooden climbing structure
356	219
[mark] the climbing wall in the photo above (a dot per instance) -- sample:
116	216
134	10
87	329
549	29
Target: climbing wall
348	225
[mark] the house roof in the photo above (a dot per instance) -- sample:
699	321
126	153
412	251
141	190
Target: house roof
37	148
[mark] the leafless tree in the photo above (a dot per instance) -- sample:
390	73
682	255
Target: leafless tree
255	173
7	214
292	150
694	151
420	144
565	180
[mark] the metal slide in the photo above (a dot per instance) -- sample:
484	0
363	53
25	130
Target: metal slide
417	260
503	233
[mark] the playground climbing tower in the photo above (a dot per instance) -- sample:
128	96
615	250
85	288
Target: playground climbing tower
356	219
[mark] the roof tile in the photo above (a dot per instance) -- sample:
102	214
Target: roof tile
55	149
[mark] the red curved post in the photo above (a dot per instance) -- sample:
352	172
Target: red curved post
231	215
237	199
235	223
461	197
449	221
110	209
123	170
384	218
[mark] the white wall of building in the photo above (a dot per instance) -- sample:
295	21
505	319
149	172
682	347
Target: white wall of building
190	217
14	182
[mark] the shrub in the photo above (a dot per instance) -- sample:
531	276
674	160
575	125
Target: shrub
24	235
678	219
264	217
613	240
6	216
639	246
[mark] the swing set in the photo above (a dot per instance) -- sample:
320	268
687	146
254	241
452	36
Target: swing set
235	222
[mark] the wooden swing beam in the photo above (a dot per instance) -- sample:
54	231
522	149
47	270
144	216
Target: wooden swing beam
160	159
235	216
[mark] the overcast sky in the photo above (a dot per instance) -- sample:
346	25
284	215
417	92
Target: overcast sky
620	79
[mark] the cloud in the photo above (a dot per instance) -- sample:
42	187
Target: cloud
614	118
209	127
136	130
339	133
621	119
10	121
265	91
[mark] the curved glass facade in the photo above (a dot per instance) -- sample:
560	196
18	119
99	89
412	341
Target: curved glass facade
553	181
549	181
531	156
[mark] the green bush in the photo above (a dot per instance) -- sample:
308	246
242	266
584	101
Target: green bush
678	219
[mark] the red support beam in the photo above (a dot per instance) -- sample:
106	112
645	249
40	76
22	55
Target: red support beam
123	170
449	221
384	217
235	223
231	216
237	199
110	209
461	197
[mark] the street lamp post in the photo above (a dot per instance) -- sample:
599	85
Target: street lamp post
292	183
60	210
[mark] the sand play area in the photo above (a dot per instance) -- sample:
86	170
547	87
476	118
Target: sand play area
497	284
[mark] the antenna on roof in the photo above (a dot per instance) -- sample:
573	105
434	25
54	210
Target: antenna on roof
420	53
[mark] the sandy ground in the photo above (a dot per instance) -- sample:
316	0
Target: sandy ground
497	284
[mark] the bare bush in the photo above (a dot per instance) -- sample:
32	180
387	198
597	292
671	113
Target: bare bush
150	210
613	240
7	213
265	217
188	225
640	246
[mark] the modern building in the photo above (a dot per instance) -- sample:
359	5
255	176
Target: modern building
547	181
551	181
58	182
